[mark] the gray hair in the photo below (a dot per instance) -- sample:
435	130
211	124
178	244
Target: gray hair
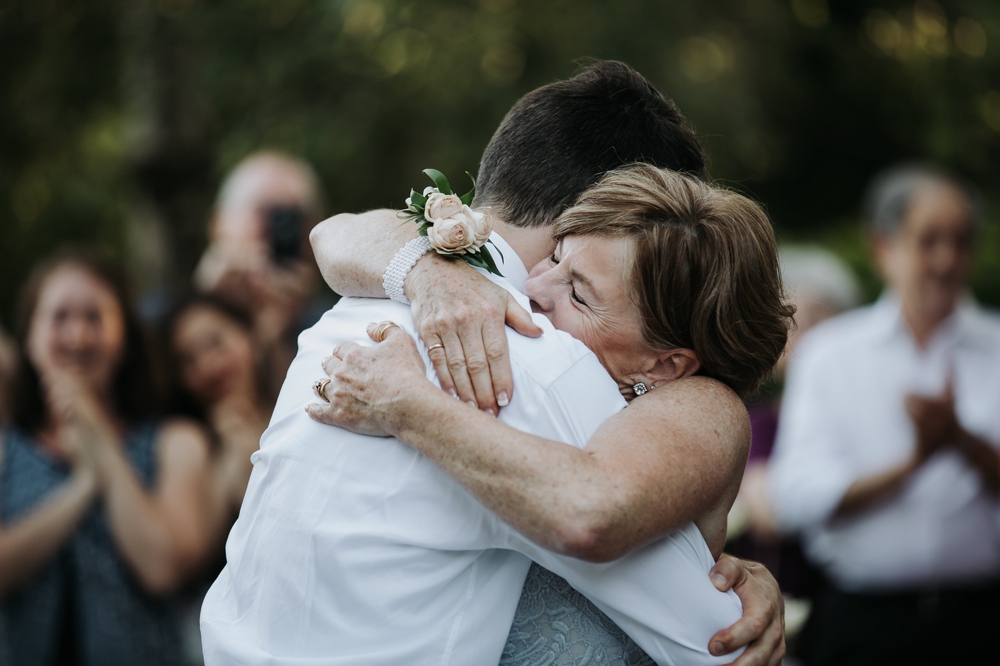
810	272
891	191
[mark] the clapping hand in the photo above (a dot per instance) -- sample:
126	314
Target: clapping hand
935	421
81	425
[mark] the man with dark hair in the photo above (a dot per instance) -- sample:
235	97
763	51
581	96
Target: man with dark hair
558	140
349	549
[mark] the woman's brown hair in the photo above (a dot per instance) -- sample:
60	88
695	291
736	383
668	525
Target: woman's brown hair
704	270
135	391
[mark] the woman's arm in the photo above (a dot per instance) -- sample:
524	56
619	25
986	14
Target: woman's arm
29	543
163	534
672	457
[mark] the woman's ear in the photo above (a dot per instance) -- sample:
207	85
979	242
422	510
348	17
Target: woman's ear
672	365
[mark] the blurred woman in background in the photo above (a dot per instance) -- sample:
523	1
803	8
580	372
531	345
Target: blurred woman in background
218	373
101	501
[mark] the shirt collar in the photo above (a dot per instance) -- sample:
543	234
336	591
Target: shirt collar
508	262
963	326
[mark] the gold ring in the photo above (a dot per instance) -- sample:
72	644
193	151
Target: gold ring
319	388
381	330
435	346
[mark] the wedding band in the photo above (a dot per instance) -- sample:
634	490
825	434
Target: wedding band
319	388
381	330
435	346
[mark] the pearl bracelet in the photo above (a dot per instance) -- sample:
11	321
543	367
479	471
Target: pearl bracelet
400	267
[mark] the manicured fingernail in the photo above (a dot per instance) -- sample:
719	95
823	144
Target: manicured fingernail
323	362
472	404
489	411
720	581
717	648
452	393
502	399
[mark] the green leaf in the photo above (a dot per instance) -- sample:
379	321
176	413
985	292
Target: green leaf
471	194
439	179
491	265
422	231
417	198
497	249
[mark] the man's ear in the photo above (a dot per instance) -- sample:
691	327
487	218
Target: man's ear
674	364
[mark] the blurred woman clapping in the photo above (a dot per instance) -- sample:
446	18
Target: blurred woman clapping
101	503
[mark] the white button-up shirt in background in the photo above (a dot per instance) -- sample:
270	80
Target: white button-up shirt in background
843	418
359	550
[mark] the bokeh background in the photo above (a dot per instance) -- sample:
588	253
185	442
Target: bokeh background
118	119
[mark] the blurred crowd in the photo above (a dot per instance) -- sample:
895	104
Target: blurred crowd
871	491
126	444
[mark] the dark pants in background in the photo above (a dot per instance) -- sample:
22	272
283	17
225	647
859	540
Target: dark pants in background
935	627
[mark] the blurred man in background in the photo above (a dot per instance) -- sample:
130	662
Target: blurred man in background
259	255
886	452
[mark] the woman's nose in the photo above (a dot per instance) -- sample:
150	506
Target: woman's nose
536	289
78	333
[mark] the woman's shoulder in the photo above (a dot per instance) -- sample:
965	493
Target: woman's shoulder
180	438
701	407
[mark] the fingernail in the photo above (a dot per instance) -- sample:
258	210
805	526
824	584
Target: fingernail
720	581
717	648
502	399
323	362
452	393
472	404
489	411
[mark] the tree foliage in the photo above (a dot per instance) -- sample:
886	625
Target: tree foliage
119	119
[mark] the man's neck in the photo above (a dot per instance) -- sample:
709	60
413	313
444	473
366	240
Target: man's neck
532	244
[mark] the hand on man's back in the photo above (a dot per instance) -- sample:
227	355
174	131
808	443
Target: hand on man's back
460	316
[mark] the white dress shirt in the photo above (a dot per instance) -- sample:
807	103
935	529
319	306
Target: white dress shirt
359	550
843	418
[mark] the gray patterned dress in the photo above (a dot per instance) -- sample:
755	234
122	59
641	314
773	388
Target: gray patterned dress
84	607
556	625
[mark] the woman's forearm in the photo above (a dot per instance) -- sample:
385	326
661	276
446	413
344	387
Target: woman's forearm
551	492
142	533
29	543
647	471
353	251
871	491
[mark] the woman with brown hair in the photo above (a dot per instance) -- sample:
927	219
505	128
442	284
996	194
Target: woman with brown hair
674	285
100	499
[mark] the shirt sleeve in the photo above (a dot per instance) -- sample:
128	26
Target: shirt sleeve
660	595
810	472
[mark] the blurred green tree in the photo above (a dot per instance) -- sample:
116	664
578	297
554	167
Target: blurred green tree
119	119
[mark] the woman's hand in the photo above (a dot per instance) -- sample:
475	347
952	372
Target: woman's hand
367	383
463	313
762	627
84	432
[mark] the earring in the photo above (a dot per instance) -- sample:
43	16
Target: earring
639	389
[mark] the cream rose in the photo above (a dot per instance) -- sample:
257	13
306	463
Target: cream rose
453	235
481	223
442	206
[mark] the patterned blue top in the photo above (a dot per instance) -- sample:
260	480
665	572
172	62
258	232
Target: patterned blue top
87	591
555	624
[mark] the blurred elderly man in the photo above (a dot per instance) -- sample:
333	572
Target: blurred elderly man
259	255
886	453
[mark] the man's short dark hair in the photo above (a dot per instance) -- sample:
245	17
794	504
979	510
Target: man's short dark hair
560	139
